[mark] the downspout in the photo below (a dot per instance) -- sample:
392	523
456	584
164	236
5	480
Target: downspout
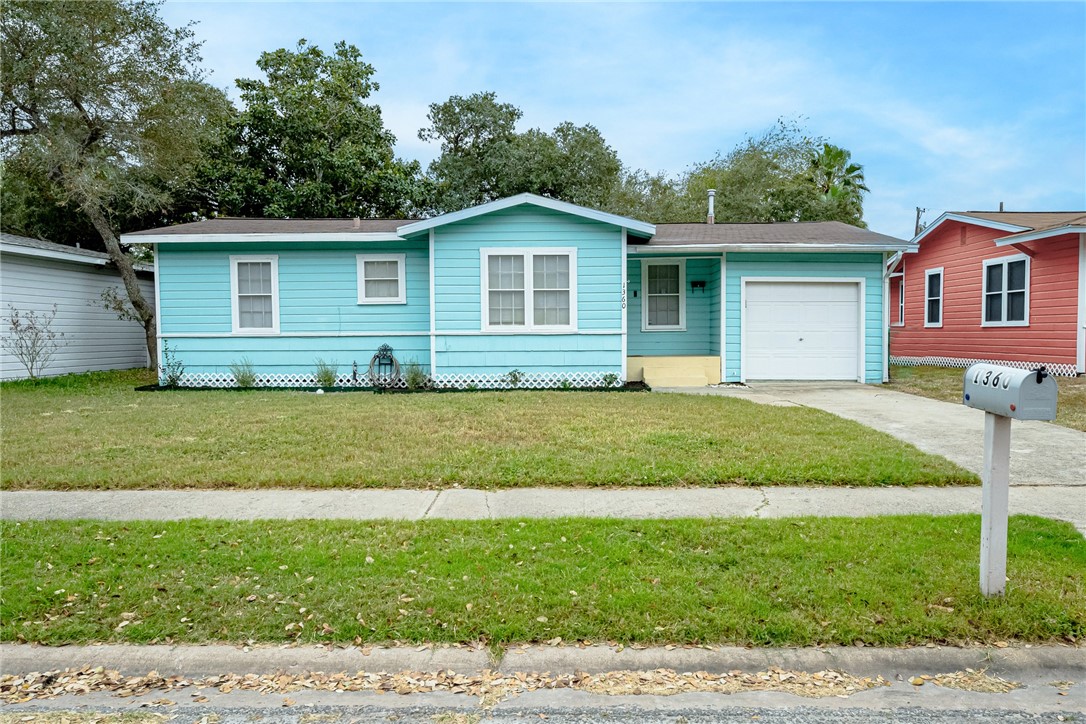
887	265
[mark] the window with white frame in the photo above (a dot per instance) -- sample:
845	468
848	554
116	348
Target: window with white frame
901	300
1006	292
381	279
529	289
254	294
933	297
663	284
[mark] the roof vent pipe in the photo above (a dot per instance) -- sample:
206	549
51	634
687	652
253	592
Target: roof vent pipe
712	199
1001	206
357	223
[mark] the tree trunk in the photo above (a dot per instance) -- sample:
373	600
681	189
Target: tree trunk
144	310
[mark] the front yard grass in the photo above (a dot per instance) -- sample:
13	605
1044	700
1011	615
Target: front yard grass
95	432
794	582
945	383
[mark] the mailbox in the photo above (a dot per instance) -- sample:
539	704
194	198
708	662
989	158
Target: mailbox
1014	393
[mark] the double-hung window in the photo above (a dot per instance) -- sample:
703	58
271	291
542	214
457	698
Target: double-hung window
664	305
529	289
254	294
933	297
1006	292
381	279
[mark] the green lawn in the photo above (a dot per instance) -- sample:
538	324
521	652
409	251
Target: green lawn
945	383
795	582
95	431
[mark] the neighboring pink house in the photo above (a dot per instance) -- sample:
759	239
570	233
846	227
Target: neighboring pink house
1007	287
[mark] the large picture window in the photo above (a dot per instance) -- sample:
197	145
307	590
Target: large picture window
254	294
933	298
381	279
664	306
529	289
1006	292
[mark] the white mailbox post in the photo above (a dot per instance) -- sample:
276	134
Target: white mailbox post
1004	393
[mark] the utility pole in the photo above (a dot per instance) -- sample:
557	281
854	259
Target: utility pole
919	212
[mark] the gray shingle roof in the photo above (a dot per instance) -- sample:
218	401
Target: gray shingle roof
804	232
50	246
1034	220
233	225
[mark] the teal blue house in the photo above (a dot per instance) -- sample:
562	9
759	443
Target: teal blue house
562	294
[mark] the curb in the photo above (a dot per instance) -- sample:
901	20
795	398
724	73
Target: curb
213	660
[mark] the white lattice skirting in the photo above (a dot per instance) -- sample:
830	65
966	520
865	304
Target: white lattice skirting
542	381
1056	368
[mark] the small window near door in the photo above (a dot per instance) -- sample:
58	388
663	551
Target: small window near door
933	298
664	308
381	279
1006	292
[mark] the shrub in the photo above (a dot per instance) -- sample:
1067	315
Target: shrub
172	370
513	378
610	379
415	377
244	374
32	340
327	374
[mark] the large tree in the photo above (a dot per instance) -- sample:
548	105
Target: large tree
483	156
306	143
105	103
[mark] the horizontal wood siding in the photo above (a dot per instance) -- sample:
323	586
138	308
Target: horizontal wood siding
960	249
457	289
809	266
530	353
293	355
93	337
702	335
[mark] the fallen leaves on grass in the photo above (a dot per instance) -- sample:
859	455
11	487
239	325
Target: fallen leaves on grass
490	686
972	680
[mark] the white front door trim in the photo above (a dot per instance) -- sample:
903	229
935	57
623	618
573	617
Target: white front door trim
861	282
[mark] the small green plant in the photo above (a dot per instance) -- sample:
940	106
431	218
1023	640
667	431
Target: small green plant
472	387
513	378
565	385
172	370
610	379
415	377
327	373
244	373
32	340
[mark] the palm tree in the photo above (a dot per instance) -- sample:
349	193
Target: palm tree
839	182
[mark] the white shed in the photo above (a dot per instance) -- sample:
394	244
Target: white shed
35	275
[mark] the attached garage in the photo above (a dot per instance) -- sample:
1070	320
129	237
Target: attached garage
802	329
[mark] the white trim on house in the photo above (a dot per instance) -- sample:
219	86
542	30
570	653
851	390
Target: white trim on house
642	249
900	276
261	238
1080	352
1045	234
237	329
966	219
401	262
533	200
528	253
1003	261
433	309
861	355
623	308
886	315
415	333
645	264
723	317
158	309
942	286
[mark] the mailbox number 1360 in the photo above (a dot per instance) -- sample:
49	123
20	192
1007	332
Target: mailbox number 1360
991	379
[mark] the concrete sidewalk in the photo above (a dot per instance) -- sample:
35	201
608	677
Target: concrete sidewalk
1063	503
1041	453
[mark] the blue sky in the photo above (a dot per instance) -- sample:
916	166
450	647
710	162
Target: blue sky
949	106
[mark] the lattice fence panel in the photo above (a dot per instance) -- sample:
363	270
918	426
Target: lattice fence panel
537	381
225	379
1056	368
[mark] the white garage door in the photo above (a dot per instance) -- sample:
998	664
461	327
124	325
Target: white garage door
801	331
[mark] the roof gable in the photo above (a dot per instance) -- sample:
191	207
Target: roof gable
634	225
1019	225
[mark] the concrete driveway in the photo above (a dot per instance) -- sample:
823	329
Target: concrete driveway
1041	453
